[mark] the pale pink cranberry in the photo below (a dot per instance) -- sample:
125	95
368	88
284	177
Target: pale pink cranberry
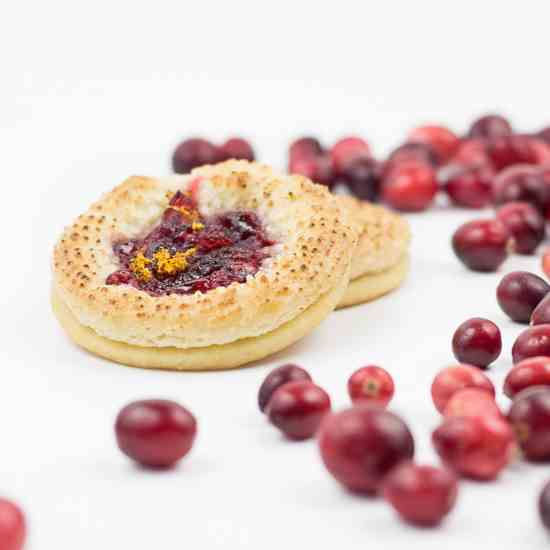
532	342
453	379
469	186
347	149
192	153
540	150
472	402
475	447
525	224
371	385
410	186
422	495
440	139
13	529
534	371
490	126
237	148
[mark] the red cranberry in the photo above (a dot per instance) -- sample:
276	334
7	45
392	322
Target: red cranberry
532	342
490	126
422	495
453	379
470	186
192	153
525	225
362	176
155	432
546	263
541	314
359	446
305	147
412	152
13	530
507	151
472	402
540	151
237	148
440	139
410	186
530	418
519	293
544	134
534	371
347	149
472	152
371	385
278	377
318	169
297	408
522	183
481	245
477	342
544	506
474	447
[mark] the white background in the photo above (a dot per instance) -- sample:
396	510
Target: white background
93	92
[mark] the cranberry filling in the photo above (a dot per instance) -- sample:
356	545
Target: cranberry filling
187	252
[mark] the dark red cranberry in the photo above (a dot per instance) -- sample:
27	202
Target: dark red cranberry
440	139
477	342
469	186
237	148
530	418
472	152
362	176
346	150
475	447
305	147
541	314
359	446
422	495
522	183
297	408
416	152
525	224
410	186
472	402
544	505
192	153
13	529
155	432
453	379
481	245
519	293
532	342
534	371
371	385
507	151
318	169
490	126
278	377
544	134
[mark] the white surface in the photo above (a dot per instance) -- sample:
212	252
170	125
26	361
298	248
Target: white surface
92	94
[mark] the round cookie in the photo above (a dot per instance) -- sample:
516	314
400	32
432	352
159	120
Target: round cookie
380	261
246	300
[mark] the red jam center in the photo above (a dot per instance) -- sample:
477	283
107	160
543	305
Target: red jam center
187	252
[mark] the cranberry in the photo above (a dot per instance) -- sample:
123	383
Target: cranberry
472	402
490	126
453	379
371	385
541	314
525	224
278	377
474	447
13	530
415	152
305	147
532	342
530	418
347	149
544	506
422	495
507	151
192	153
472	152
522	183
519	293
410	186
534	371
362	176
359	446
297	408
237	148
469	186
440	139
481	245
540	151
546	262
544	134
120	277
155	432
477	342
318	169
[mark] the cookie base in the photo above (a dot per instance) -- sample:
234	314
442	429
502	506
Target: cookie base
374	285
215	357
